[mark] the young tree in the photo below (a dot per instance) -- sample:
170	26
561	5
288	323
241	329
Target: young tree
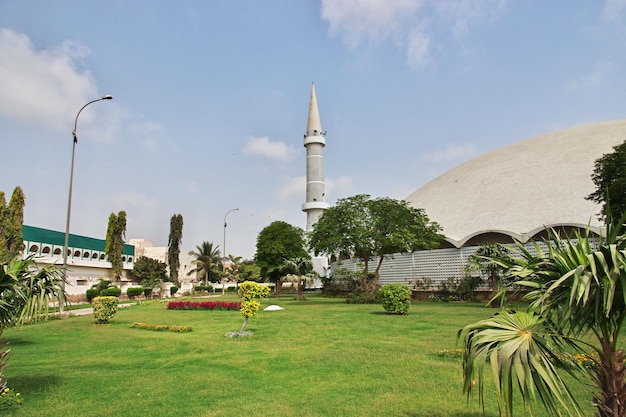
250	292
114	245
299	267
173	246
274	245
11	221
145	267
576	301
207	260
365	228
609	177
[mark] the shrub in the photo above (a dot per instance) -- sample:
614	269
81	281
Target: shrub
147	292
134	292
203	288
203	305
173	290
92	293
162	327
467	287
104	308
9	399
111	292
395	298
362	297
341	282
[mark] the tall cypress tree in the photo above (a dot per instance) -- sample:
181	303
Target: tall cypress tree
11	221
173	246
114	247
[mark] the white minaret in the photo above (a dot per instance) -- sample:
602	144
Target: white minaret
314	143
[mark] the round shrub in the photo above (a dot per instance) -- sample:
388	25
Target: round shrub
395	298
104	308
111	292
173	290
134	292
92	293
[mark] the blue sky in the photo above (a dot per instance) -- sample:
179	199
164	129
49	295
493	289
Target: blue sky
211	100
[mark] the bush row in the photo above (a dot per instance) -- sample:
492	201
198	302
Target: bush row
203	305
162	327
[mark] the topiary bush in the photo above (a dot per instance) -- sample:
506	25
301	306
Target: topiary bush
134	292
92	293
395	298
173	290
104	308
111	292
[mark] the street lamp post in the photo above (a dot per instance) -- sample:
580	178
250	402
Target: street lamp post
224	245
69	200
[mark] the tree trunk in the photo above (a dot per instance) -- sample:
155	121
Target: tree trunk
300	295
243	326
366	272
610	400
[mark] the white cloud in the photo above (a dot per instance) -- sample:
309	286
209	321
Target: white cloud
296	187
263	146
452	152
407	22
42	86
614	10
597	76
293	187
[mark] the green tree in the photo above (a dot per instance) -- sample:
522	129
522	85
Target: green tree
250	292
173	246
300	267
11	221
576	301
26	291
207	260
145	267
482	261
249	271
609	177
114	245
365	229
274	245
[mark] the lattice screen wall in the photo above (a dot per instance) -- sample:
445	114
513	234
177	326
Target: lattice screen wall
436	265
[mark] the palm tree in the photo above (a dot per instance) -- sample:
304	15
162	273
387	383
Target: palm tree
207	259
577	292
299	266
25	294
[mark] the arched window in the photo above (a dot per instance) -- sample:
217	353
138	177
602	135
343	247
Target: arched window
102	256
33	248
46	249
57	251
94	256
77	254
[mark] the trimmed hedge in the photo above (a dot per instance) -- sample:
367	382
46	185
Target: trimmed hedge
111	292
134	292
161	327
203	305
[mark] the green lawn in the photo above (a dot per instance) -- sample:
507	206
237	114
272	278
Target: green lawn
320	357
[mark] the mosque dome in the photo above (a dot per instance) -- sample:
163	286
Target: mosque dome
517	191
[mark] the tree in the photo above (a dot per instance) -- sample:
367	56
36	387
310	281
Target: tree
207	260
576	301
609	177
173	246
300	267
11	221
25	294
364	228
274	245
114	245
249	292
249	271
145	267
482	261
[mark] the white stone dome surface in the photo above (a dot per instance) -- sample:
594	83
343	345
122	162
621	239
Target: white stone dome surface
520	189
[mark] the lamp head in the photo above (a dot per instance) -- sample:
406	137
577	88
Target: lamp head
107	97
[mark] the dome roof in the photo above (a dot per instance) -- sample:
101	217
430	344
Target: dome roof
519	190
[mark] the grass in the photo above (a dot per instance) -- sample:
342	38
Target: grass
320	357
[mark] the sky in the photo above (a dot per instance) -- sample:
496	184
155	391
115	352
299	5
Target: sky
210	101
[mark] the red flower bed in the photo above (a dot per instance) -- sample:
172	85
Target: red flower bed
203	305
